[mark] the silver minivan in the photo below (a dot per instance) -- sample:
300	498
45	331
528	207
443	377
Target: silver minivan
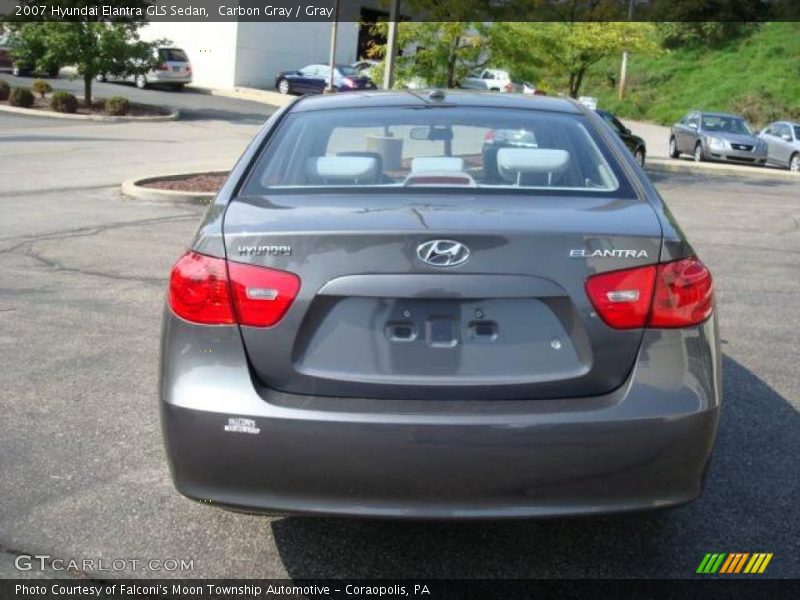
174	70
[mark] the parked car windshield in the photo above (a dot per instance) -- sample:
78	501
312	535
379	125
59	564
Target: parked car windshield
346	71
444	147
725	124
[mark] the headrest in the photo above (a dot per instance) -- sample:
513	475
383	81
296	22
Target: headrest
513	162
349	168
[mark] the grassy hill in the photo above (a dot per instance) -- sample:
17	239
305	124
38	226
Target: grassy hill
757	76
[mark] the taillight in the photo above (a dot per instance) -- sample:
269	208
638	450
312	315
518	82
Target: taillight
261	295
684	294
198	290
207	290
622	298
673	294
507	87
162	67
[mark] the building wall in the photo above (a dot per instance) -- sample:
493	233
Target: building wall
263	49
211	48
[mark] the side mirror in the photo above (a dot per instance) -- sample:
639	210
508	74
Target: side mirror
786	137
694	126
626	131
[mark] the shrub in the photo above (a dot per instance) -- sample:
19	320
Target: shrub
41	87
117	106
63	102
21	97
5	90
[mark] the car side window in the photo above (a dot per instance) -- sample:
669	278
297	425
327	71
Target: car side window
307	71
487	75
783	130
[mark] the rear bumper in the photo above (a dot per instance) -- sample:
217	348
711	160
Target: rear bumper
643	446
157	77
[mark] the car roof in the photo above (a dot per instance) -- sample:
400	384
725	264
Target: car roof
411	98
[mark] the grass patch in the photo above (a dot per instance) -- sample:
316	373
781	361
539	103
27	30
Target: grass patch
758	76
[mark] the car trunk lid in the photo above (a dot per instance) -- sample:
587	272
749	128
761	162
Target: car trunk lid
373	319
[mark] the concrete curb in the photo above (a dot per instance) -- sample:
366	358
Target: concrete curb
35	112
135	189
244	93
677	165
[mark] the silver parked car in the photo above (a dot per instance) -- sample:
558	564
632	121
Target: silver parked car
716	136
783	143
372	321
174	70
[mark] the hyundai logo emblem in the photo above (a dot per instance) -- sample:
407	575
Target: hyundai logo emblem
443	253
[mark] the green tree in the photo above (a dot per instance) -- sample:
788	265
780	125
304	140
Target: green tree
567	50
444	52
95	47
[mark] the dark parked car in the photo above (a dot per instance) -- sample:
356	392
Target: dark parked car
356	330
783	144
716	136
312	79
634	143
5	57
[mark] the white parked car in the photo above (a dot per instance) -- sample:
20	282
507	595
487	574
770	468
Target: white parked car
492	80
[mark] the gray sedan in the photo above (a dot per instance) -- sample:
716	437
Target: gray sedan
716	136
374	321
783	142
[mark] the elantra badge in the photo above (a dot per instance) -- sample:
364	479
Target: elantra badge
443	253
581	253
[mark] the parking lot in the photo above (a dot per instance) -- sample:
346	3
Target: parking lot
83	474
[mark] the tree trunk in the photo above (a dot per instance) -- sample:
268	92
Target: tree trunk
575	82
87	90
451	63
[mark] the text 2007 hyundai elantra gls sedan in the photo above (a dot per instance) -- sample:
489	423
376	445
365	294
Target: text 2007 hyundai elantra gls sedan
372	321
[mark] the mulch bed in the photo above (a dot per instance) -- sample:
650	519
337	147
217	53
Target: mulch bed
202	182
98	108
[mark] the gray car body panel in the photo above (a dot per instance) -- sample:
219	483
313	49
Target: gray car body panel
474	448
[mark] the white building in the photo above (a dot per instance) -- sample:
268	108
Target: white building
225	55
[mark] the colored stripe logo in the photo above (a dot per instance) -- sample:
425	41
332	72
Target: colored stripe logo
734	562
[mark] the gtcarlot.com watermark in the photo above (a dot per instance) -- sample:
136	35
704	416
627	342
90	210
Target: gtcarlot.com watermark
45	562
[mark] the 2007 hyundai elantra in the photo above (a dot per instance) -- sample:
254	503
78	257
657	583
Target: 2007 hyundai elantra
439	305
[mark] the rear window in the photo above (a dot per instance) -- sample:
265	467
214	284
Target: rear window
439	147
172	54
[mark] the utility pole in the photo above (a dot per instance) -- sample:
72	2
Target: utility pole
391	46
334	31
623	73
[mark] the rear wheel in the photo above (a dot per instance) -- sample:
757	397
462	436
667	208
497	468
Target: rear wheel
794	163
639	156
673	148
141	82
699	156
283	86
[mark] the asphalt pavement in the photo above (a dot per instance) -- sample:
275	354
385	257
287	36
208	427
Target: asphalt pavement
83	273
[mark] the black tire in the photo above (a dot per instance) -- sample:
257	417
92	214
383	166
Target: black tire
639	155
178	87
794	163
673	148
699	155
284	87
54	72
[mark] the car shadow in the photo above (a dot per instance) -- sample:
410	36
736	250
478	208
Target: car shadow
749	505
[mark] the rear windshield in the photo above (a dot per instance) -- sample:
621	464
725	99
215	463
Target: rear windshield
172	54
439	147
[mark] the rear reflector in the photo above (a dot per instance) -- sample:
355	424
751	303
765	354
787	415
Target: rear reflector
674	294
198	290
207	290
684	294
